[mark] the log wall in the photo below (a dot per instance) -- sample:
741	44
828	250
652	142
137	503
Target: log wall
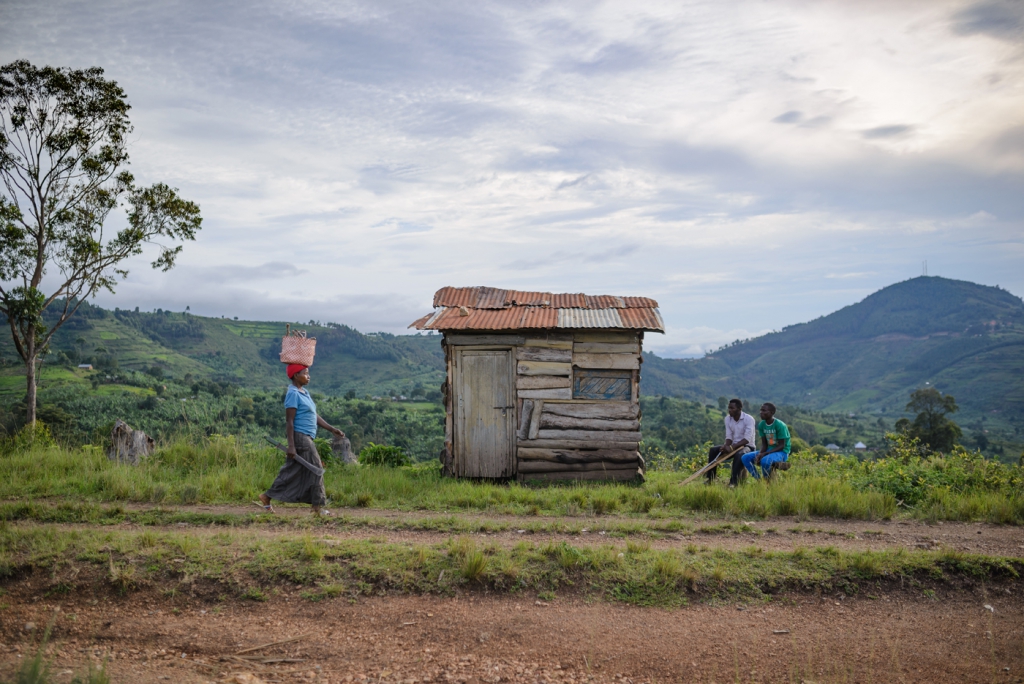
560	437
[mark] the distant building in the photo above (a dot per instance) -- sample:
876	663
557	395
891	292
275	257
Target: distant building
85	366
860	446
832	447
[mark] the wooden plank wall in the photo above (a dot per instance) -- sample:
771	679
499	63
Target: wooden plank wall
560	438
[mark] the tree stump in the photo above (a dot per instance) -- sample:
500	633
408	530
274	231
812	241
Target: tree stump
342	450
447	462
129	446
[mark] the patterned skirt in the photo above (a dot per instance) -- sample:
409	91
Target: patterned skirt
295	483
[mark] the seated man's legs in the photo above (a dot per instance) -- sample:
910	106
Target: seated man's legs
748	462
737	467
713	453
768	461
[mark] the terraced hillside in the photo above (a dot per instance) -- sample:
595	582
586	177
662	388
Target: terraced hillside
244	352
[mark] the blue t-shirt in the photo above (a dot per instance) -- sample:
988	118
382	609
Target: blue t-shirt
305	410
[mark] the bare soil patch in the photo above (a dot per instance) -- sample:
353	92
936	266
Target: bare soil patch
898	636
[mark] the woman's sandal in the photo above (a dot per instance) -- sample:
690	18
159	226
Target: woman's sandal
269	508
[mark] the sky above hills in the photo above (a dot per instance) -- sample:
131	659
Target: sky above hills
750	165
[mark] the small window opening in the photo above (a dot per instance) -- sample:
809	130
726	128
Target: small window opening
611	385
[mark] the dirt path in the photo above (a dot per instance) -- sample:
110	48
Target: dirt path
900	637
896	634
778	534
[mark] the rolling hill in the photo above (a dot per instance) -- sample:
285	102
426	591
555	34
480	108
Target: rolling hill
244	353
962	338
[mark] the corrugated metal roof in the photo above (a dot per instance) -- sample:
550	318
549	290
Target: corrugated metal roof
494	298
512	318
589	318
540	317
569	301
642	319
491	308
519	298
421	323
490	298
488	308
455	296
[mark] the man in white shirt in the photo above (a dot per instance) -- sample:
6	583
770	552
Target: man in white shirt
739	434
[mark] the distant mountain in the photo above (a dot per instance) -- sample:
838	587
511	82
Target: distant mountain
963	338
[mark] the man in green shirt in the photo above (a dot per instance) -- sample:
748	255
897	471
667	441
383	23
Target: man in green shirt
774	451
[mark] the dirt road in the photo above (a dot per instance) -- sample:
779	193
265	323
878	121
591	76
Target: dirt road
971	633
894	638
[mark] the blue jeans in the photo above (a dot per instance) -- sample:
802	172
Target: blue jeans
766	462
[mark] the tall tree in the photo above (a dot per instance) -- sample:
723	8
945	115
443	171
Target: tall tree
63	153
931	424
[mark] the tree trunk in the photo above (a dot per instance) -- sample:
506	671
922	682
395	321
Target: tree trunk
30	388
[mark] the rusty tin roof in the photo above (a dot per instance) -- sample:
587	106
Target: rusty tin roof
489	308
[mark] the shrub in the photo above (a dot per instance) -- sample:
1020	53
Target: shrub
30	436
913	477
382	455
323	449
690	460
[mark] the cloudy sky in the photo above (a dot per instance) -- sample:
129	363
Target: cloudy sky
748	164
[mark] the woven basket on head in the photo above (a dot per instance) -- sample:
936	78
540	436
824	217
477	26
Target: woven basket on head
297	348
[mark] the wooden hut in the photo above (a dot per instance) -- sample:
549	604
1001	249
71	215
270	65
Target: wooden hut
541	386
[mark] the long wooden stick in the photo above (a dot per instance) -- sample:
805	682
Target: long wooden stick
709	466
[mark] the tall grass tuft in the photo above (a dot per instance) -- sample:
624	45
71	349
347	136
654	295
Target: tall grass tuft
474	565
311	550
122	576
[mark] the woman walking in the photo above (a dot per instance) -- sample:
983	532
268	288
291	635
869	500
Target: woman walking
299	482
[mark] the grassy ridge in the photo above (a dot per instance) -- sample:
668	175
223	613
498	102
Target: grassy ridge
247	565
223	470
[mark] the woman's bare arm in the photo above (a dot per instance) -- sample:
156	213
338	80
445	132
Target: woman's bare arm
289	430
327	426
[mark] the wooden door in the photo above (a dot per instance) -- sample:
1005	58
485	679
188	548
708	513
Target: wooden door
484	413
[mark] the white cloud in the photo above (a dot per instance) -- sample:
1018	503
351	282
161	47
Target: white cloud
691	342
746	164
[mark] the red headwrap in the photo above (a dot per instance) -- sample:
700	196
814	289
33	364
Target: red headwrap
294	368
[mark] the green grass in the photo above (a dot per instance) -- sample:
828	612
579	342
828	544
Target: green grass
222	470
96	514
253	566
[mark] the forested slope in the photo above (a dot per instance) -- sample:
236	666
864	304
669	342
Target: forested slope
963	338
243	353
